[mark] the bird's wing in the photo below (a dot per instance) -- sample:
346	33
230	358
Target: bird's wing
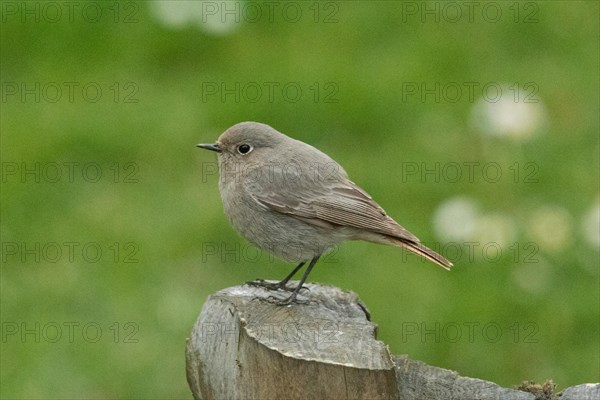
340	203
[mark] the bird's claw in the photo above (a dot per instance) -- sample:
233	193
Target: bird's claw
264	284
272	286
292	300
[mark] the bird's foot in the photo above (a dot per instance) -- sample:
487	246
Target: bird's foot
287	301
295	289
269	285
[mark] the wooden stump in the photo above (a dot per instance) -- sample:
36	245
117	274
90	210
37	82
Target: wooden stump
245	346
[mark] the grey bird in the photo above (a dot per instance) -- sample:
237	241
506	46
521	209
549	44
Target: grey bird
296	202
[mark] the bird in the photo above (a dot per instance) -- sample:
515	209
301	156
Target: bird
294	201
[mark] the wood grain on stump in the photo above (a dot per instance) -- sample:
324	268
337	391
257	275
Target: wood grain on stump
246	346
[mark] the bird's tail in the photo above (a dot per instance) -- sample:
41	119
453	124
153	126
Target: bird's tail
421	250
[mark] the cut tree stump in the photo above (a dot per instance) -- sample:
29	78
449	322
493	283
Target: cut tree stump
245	346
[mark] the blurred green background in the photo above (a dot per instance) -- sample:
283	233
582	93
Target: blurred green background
374	85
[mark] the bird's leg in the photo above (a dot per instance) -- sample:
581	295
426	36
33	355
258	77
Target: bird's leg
292	298
279	285
285	280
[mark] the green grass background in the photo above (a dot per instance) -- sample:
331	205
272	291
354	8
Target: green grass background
171	212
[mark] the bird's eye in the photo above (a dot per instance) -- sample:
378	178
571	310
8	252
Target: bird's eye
244	148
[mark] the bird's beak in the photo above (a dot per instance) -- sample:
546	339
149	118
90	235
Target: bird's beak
213	147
